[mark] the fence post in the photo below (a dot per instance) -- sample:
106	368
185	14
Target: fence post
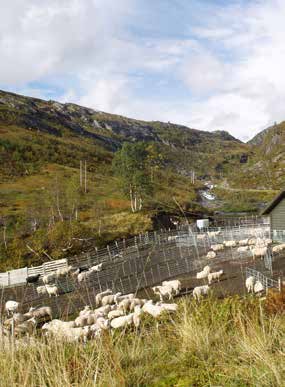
109	252
96	249
280	284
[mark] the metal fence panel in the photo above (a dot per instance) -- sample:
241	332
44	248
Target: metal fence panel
18	276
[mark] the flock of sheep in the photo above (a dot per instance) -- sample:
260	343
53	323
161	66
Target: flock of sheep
50	280
258	247
112	311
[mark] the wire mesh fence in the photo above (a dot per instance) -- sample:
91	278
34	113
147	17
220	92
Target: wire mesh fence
134	249
128	266
267	282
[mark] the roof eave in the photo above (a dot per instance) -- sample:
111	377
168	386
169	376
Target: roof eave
273	203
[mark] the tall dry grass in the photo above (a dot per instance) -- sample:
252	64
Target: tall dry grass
230	342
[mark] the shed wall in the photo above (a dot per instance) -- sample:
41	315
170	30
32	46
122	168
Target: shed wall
277	216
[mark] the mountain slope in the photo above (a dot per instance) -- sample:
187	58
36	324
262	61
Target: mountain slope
266	166
45	207
70	123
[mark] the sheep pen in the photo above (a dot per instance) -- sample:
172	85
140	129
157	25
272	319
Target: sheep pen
120	330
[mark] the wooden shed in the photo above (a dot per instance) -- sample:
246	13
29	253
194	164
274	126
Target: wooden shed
276	212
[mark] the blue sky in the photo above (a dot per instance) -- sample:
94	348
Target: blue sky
211	65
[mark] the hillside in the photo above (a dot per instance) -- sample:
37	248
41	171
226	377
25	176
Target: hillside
73	123
265	169
44	205
41	139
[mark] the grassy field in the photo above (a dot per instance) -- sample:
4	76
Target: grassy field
230	342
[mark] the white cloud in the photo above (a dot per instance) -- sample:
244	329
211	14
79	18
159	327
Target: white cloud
231	69
245	92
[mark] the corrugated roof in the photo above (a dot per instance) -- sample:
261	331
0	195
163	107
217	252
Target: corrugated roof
274	203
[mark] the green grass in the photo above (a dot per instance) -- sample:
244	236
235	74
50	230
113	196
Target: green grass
233	342
243	200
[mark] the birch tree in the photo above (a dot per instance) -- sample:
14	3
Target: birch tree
130	164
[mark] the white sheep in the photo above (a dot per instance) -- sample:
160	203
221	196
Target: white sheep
104	310
251	241
249	284
175	284
172	238
100	325
168	307
260	242
85	311
26	327
63	271
215	275
213	234
204	273
211	255
242	249
164	291
129	296
96	268
11	307
154	310
81	321
83	276
258	287
243	242
49	278
99	296
201	236
67	331
115	313
41	312
217	247
136	302
41	290
123	321
110	299
201	275
199	291
57	325
278	248
125	305
74	334
17	318
259	252
52	290
230	243
87	319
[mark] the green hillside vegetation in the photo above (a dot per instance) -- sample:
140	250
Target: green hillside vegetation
243	200
265	169
230	342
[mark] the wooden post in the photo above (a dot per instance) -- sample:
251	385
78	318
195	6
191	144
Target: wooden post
122	286
85	177
80	174
4	237
109	252
280	284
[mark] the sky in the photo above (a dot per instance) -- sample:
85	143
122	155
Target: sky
208	64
